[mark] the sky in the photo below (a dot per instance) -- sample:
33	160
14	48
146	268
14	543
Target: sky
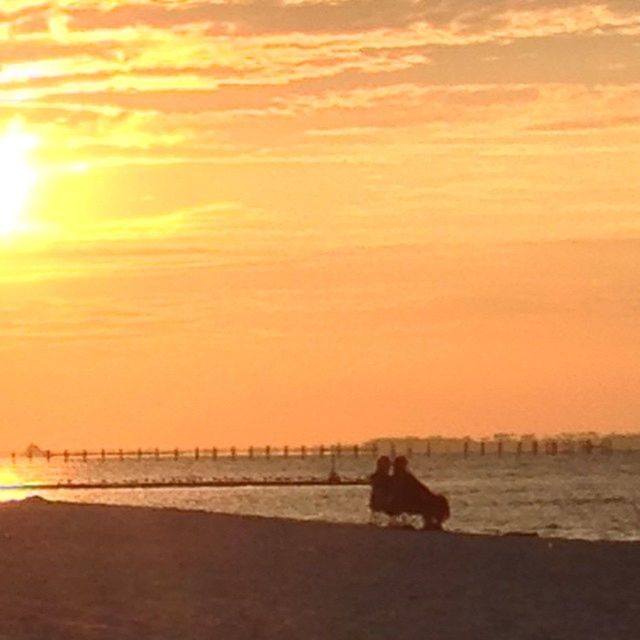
303	221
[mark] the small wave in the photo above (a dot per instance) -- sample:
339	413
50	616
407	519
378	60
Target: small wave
610	500
572	501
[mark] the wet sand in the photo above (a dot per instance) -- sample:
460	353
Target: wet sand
119	573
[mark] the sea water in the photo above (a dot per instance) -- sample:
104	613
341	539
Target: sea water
594	497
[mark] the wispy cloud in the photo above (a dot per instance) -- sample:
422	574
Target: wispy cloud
256	132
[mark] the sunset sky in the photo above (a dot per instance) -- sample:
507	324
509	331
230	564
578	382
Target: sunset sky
295	221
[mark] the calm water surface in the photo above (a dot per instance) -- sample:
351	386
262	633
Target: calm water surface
577	496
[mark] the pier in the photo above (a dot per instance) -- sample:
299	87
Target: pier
211	473
466	447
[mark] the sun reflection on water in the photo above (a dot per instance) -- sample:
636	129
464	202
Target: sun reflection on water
10	481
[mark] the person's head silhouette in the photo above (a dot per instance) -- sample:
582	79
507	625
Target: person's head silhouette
400	464
383	464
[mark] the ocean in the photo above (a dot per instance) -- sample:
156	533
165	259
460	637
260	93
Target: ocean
592	497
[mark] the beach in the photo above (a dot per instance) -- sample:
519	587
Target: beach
90	571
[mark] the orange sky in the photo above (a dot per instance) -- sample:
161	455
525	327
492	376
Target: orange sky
272	221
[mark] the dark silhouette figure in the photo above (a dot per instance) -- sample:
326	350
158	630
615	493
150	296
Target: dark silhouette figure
410	496
380	480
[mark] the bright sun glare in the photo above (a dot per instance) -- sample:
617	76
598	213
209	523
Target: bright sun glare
17	176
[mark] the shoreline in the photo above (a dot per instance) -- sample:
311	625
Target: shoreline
520	533
71	570
37	501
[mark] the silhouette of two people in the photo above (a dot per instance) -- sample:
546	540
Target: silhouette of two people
399	493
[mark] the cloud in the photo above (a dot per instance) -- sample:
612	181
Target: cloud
587	124
85	318
278	50
98	59
366	83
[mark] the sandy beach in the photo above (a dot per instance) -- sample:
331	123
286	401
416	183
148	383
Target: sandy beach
75	571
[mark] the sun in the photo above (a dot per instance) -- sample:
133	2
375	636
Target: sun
17	176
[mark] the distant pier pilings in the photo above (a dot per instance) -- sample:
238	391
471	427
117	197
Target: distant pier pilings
466	448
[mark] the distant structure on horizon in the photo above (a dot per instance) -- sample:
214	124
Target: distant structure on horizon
499	444
34	451
565	442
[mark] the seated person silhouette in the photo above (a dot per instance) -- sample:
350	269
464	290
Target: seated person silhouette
380	481
410	496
